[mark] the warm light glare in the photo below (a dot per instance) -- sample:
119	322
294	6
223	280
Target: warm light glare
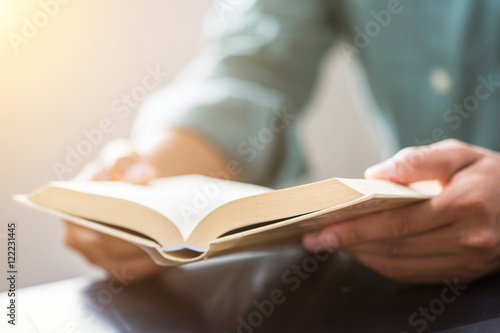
5	11
12	14
3	7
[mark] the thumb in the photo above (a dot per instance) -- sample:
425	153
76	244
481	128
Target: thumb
121	162
139	172
439	161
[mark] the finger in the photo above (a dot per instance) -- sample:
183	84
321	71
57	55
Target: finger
434	243
439	161
136	268
94	243
138	171
387	225
122	163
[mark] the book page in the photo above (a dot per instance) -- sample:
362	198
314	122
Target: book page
184	200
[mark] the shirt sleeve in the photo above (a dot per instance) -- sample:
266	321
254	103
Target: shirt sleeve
245	91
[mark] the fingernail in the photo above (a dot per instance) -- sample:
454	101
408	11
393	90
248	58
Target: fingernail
385	170
139	173
329	240
311	242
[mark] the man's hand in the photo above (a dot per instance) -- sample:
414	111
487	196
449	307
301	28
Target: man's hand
454	235
170	153
117	162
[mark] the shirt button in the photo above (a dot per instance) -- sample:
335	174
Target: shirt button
440	80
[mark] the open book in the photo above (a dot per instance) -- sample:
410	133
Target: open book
187	218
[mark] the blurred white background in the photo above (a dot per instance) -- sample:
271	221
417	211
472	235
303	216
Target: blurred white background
64	79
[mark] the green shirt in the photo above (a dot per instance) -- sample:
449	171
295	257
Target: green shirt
433	68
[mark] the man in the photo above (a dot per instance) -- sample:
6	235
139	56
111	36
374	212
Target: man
434	71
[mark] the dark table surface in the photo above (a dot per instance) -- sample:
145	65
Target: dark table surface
285	290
